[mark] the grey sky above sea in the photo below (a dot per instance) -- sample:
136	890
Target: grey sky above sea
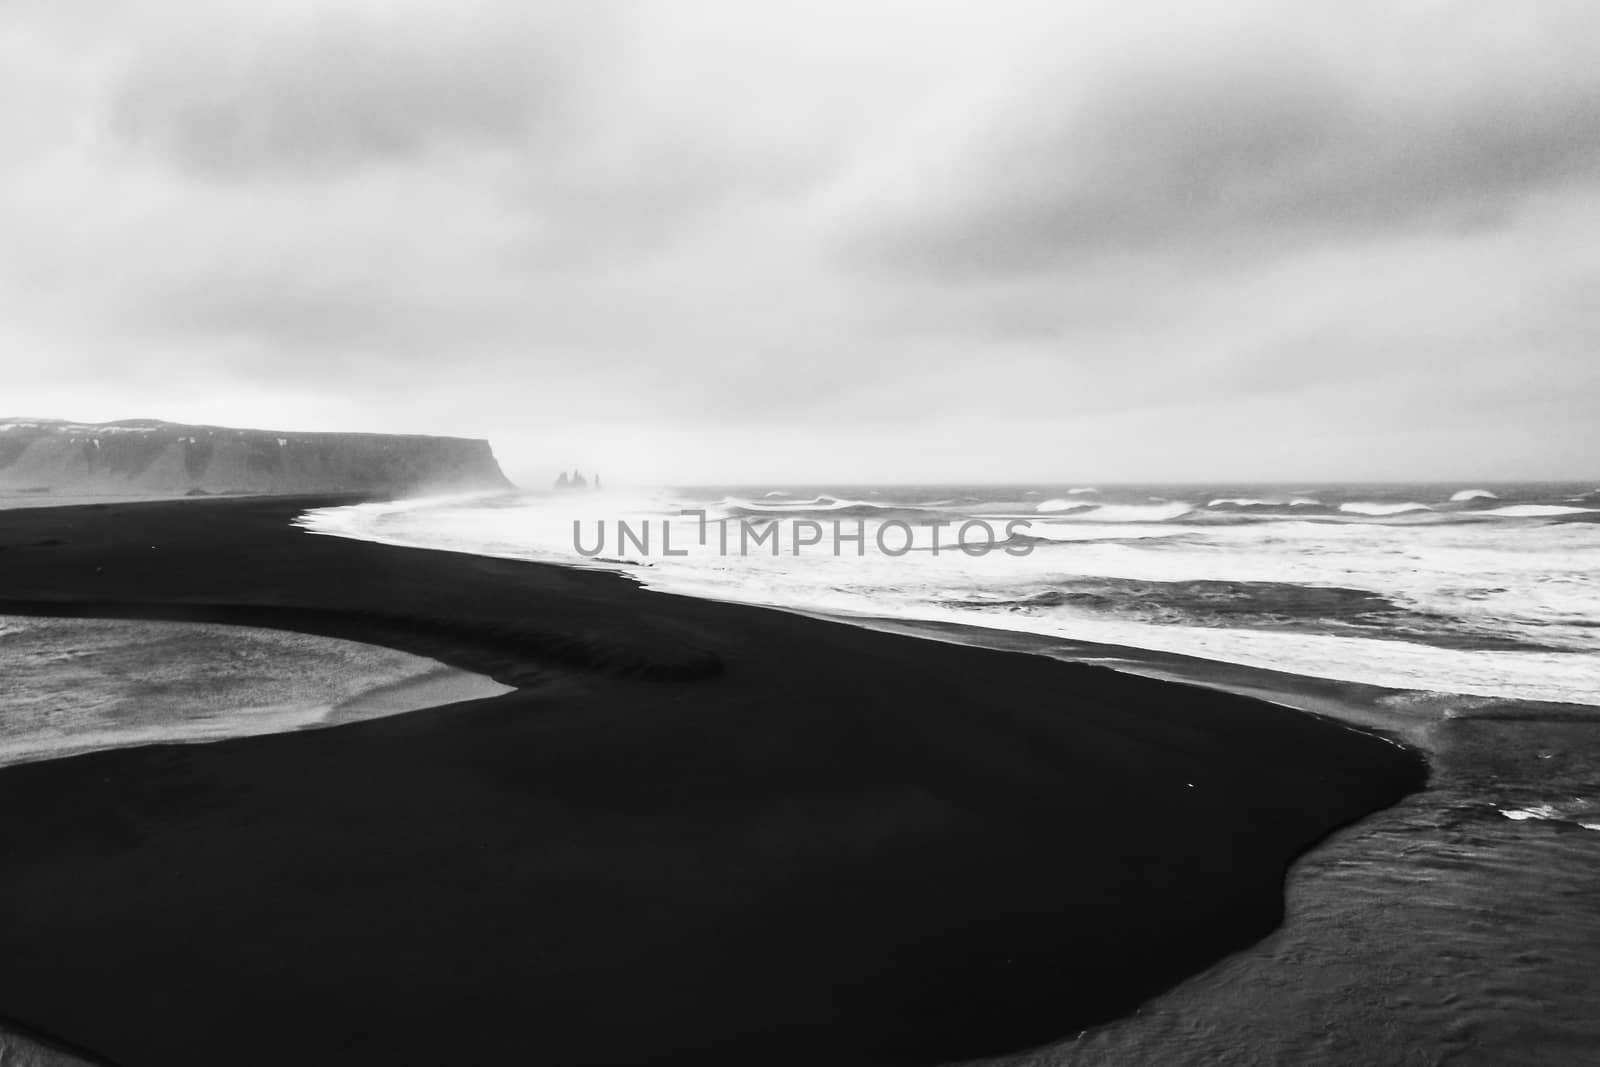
711	241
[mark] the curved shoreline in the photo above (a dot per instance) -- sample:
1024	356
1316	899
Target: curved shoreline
695	830
89	683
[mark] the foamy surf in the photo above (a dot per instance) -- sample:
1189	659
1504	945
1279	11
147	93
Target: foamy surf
1364	507
1127	513
1538	511
1271	502
1363	587
1577	812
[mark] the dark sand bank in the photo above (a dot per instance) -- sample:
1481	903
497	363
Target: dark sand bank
697	833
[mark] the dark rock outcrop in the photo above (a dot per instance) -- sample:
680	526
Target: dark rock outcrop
147	456
564	483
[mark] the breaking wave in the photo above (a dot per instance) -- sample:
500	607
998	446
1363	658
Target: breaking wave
737	505
1494	600
1135	512
1538	511
1367	507
1058	504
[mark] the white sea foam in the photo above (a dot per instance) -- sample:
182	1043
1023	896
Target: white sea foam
1078	511
1083	531
1538	511
1366	507
1265	502
821	503
1472	494
1577	811
1502	581
1538	811
1132	512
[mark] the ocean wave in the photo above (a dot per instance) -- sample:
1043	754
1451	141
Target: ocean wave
1367	507
1478	574
1578	812
821	503
1537	511
1127	513
1245	503
1088	489
1062	532
1537	811
832	508
1056	504
1471	494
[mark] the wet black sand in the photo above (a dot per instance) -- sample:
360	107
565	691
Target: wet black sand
696	833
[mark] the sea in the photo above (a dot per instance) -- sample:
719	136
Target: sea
1479	591
1461	926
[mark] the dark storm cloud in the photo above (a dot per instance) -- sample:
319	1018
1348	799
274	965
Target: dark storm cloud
1249	152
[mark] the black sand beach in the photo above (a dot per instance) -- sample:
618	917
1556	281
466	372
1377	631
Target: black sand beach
696	832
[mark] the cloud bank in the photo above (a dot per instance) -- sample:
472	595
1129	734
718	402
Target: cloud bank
701	242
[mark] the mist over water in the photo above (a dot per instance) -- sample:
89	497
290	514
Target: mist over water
1459	926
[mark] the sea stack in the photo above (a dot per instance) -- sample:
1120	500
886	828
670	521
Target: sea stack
575	481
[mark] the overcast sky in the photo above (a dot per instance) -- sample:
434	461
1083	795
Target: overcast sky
839	239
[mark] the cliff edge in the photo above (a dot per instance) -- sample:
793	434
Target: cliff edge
150	457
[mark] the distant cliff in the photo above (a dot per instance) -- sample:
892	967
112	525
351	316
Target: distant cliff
146	456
